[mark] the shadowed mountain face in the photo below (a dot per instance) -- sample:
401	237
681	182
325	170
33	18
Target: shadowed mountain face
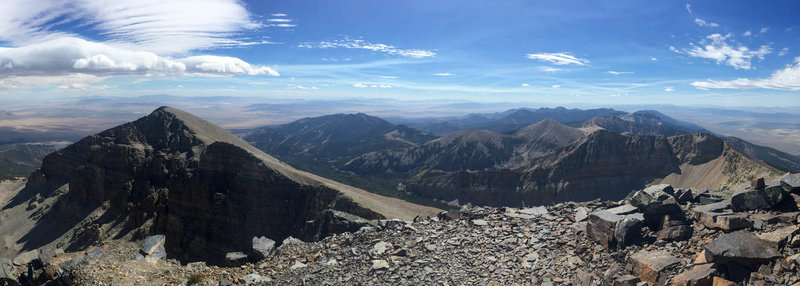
18	160
172	173
783	161
603	165
647	122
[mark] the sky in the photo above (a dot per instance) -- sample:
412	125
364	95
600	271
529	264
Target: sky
695	53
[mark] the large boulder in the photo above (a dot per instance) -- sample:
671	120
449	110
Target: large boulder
656	202
699	275
752	199
262	247
613	230
151	244
779	237
740	247
791	183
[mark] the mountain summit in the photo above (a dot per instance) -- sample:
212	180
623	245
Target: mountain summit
173	173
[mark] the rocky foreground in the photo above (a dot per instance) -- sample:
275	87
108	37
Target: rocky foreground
658	236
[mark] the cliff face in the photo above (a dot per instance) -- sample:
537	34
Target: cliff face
602	165
172	173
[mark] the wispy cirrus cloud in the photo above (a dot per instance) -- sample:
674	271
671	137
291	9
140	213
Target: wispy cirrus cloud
619	72
718	49
444	74
68	55
163	27
787	78
562	58
364	85
348	43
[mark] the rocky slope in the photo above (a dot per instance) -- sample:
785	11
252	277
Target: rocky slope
18	160
604	165
172	173
700	238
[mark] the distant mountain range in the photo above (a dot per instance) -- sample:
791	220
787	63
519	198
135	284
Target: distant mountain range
529	156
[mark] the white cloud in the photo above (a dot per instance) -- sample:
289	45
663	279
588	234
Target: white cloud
556	86
525	84
279	15
669	89
162	27
653	59
549	69
387	76
374	85
444	74
66	56
562	58
764	30
282	25
689	8
720	51
747	34
618	72
279	20
702	23
361	44
785	79
783	52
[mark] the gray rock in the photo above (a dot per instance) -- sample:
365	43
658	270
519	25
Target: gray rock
791	183
235	258
741	247
675	230
298	265
379	265
699	275
684	196
779	237
262	247
628	231
479	222
752	199
379	248
623	209
151	244
601	227
540	210
651	195
25	257
158	254
254	278
581	214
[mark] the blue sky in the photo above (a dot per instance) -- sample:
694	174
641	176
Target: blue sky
725	53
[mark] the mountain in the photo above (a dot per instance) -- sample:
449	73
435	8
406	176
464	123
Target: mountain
512	119
783	161
172	173
334	136
469	150
18	160
602	164
646	122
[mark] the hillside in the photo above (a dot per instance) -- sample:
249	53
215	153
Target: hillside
18	160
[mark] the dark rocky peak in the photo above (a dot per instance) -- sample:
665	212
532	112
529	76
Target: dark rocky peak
175	174
479	136
697	148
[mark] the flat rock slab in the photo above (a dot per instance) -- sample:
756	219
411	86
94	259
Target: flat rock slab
534	211
623	209
581	214
778	238
742	247
699	275
151	244
262	246
649	266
